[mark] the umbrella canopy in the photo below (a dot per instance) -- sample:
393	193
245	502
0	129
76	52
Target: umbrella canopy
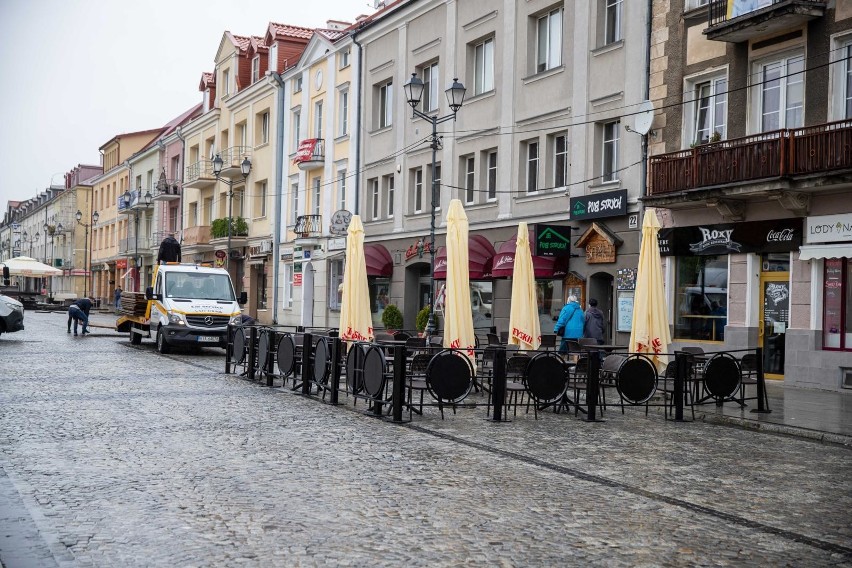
355	321
458	316
650	330
26	266
524	325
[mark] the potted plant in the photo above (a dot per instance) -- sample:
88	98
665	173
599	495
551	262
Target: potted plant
422	320
392	318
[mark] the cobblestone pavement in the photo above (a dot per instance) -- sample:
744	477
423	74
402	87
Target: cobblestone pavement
112	455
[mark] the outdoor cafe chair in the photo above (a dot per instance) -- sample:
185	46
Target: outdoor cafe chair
665	384
516	367
748	376
417	380
449	378
546	380
548	342
578	375
607	377
493	339
636	380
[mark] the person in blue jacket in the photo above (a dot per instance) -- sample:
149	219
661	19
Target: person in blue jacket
78	312
569	326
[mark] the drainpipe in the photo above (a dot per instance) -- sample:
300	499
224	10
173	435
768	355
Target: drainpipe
358	126
179	133
648	20
279	181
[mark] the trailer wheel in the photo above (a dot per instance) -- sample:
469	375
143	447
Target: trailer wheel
135	338
162	346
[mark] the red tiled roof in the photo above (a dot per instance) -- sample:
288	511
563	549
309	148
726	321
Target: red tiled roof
242	42
257	45
207	80
292	31
331	35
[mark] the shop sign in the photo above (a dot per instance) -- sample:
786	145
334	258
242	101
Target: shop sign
297	253
599	205
340	222
121	263
552	240
600	243
828	228
782	235
417	249
297	279
287	253
337	244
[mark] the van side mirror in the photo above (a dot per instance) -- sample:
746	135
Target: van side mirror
150	295
243	297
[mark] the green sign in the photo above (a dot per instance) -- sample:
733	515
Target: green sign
552	240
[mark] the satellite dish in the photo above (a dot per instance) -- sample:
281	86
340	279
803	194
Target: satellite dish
644	118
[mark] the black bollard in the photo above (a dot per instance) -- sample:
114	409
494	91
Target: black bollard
305	367
252	354
398	390
498	383
682	361
269	364
229	349
336	346
592	385
761	384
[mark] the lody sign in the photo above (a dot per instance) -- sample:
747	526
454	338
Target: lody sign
599	205
828	228
781	235
552	240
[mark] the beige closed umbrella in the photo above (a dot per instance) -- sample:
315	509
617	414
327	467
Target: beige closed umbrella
355	321
524	325
458	315
649	332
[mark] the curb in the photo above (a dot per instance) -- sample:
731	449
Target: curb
815	435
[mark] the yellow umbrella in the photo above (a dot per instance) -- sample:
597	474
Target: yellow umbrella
650	330
355	321
524	325
458	316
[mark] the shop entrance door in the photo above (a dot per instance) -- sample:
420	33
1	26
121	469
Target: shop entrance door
774	319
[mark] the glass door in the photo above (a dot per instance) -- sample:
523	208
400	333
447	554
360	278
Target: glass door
774	320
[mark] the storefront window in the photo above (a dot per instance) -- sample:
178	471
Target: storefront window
379	299
335	279
260	287
837	305
482	304
549	295
701	304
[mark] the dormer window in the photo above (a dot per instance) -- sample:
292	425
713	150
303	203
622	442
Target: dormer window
226	82
255	68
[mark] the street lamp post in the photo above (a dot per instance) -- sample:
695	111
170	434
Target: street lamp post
245	169
86	268
455	98
52	231
147	199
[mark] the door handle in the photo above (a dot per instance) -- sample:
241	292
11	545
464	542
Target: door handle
760	328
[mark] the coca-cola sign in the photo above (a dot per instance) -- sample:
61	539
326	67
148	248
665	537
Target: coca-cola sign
782	235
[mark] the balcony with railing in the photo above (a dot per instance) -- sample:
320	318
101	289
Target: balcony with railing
135	246
311	154
778	155
199	175
232	158
729	22
196	239
167	189
308	227
139	201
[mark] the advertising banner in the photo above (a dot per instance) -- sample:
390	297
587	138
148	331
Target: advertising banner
781	235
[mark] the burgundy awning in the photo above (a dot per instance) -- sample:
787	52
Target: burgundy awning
480	254
379	260
543	266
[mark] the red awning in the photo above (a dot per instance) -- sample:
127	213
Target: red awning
379	260
480	254
544	266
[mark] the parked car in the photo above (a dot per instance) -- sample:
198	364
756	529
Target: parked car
11	315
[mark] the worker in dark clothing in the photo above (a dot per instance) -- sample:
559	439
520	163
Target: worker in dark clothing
169	250
79	312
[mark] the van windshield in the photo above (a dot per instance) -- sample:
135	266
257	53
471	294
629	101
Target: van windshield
199	286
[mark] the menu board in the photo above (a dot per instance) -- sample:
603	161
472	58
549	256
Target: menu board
625	310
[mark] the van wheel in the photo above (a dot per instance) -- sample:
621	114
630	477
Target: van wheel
162	346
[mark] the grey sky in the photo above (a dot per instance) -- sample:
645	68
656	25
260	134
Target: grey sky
78	72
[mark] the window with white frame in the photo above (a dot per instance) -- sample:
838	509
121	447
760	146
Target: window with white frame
273	57
612	21
429	102
437	196
469	179
297	126
389	188
343	113
491	175
226	82
288	286
294	201
297	84
708	107
263	123
418	190
781	93
531	166
374	198
560	160
483	67
255	68
549	40
261	195
317	195
385	106
318	119
344	58
609	151
341	189
846	79
335	279
692	4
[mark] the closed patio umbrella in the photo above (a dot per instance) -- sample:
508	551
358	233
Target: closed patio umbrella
649	332
524	325
355	321
26	266
458	315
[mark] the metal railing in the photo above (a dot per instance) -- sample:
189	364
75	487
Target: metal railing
308	226
718	12
200	169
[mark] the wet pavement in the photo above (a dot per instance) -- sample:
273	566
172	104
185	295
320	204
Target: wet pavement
113	455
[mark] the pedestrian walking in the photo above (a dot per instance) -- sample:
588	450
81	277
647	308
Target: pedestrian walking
569	326
79	313
117	297
169	250
593	324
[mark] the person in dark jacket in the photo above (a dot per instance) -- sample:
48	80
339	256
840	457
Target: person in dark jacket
79	312
569	326
169	250
593	325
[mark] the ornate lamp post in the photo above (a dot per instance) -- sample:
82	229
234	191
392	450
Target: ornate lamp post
455	98
245	169
146	201
86	268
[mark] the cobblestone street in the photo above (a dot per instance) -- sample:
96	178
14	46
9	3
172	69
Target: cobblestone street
114	455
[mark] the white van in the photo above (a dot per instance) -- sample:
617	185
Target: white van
189	304
11	314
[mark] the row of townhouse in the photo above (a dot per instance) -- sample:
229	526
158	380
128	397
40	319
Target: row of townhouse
746	158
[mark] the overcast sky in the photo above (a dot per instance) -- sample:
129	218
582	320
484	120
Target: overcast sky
77	72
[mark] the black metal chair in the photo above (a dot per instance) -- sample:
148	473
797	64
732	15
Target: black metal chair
665	385
721	378
748	377
417	380
515	388
607	377
546	380
493	339
636	381
449	378
548	342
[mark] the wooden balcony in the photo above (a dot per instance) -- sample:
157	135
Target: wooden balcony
782	154
768	17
